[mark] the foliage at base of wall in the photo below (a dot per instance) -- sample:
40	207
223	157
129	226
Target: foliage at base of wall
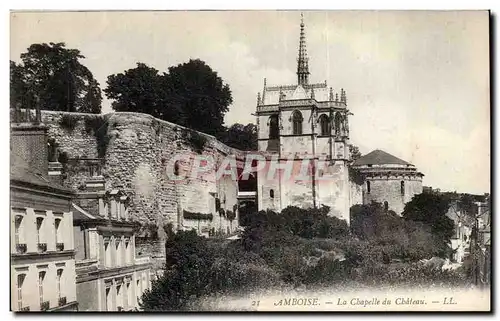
197	216
99	126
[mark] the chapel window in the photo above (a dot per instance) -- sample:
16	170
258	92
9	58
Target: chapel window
324	125
273	127
297	120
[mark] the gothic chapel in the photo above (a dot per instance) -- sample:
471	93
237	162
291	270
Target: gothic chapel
305	123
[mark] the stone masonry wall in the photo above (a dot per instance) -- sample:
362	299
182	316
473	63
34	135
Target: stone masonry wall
137	148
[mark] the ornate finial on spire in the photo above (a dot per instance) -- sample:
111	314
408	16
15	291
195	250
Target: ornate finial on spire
258	99
336	97
264	91
331	94
312	93
343	96
302	61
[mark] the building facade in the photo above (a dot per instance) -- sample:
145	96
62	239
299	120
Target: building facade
303	126
460	241
388	180
41	245
109	276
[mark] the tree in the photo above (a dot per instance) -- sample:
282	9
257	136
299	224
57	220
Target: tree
142	89
431	209
242	137
354	152
18	87
201	94
372	221
54	77
190	94
466	204
188	259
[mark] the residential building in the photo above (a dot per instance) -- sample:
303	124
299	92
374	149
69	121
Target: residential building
109	276
41	244
460	241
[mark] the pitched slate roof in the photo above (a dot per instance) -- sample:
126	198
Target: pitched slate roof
379	157
20	171
80	214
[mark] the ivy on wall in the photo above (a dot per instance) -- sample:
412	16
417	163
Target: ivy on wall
68	122
99	126
195	140
197	216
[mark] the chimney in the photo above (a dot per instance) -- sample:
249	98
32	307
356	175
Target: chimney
28	140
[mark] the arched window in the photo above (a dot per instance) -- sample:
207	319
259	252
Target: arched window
297	122
274	131
58	283
402	187
338	123
59	244
368	187
324	123
20	282
271	193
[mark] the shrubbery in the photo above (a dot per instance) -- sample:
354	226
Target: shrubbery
197	266
394	236
299	247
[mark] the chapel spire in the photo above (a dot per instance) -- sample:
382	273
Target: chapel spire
302	60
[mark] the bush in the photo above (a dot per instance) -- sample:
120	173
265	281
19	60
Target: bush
196	266
297	247
305	223
394	236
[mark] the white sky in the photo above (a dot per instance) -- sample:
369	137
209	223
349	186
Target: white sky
417	82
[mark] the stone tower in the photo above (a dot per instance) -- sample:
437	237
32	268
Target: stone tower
388	180
304	123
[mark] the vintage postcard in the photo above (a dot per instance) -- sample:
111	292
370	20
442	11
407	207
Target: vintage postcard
250	161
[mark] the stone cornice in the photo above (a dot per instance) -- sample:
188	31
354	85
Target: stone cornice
41	256
40	189
85	276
